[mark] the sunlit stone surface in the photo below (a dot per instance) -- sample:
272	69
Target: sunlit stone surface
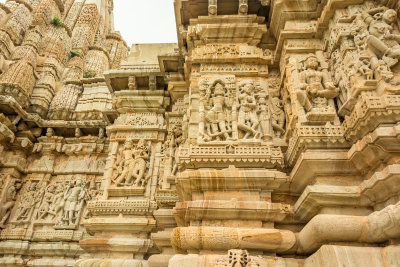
267	136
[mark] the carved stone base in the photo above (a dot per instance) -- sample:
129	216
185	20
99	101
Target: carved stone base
234	257
111	262
319	116
114	191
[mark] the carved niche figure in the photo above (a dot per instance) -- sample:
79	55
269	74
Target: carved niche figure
125	164
185	123
276	110
316	88
174	140
56	206
243	7
26	204
179	140
377	42
8	203
48	198
133	164
142	156
247	116
277	117
264	116
72	203
381	40
91	194
271	116
364	69
217	114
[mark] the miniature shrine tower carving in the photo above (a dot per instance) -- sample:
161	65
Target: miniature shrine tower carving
268	135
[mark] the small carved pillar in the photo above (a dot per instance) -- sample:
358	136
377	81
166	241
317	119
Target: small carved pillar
265	2
243	7
212	7
152	82
132	83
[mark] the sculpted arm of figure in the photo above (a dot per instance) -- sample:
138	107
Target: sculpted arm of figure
367	15
82	194
302	79
328	84
67	193
393	36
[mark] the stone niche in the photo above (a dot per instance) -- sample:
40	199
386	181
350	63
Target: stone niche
266	136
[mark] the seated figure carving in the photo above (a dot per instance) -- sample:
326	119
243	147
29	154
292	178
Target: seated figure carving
316	88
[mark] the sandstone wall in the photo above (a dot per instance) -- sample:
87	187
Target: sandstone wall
267	136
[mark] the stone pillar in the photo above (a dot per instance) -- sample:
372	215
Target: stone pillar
131	175
234	116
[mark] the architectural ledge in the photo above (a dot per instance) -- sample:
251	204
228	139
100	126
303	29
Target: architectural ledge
199	210
261	156
230	179
314	163
382	186
342	199
119	224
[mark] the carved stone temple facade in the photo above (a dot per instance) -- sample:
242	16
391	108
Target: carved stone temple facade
268	136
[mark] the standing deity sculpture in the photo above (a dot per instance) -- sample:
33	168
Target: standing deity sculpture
8	203
277	117
73	198
179	140
264	116
124	164
174	140
247	116
56	206
142	156
217	114
48	198
316	88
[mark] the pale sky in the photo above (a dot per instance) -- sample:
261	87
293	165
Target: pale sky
144	21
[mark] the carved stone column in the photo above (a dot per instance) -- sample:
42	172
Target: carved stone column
125	210
235	130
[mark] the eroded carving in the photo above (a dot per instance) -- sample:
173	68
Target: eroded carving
133	164
217	112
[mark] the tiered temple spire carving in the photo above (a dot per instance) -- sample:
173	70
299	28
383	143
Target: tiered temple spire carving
268	135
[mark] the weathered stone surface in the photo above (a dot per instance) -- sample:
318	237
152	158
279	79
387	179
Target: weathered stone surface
267	136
